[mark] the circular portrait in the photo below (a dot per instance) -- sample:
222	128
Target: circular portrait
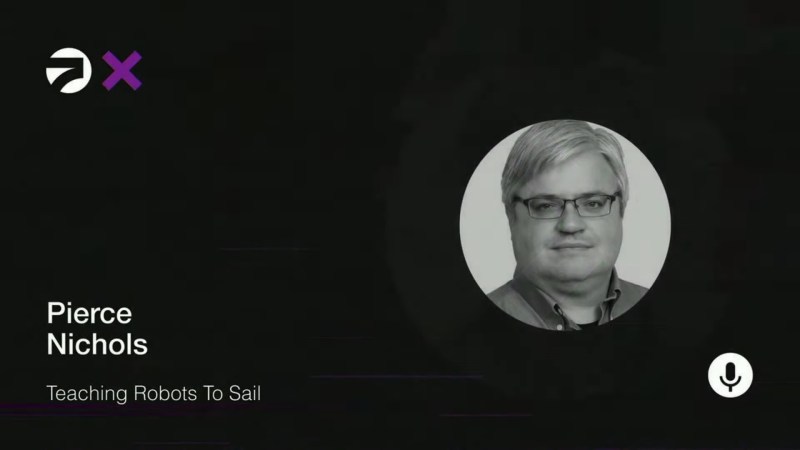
565	225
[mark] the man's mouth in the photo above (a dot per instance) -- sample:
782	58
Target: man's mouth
572	246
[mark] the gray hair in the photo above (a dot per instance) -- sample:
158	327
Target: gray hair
549	143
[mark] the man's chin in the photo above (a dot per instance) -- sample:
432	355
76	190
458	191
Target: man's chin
573	273
573	277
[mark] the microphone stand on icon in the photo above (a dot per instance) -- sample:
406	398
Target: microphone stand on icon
730	374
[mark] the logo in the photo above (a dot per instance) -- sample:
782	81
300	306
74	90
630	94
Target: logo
730	375
69	70
122	70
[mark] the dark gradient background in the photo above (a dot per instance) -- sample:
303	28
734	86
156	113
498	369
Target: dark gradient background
278	205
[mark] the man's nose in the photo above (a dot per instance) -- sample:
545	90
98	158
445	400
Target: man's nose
570	221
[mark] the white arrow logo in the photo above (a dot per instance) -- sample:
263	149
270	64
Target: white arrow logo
69	70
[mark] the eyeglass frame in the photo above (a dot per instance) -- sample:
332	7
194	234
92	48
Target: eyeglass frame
526	202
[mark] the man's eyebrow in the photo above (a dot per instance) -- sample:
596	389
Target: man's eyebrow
584	194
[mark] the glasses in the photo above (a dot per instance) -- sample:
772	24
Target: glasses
594	205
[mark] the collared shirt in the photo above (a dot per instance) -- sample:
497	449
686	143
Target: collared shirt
524	301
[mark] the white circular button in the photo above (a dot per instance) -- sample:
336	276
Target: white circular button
730	375
559	327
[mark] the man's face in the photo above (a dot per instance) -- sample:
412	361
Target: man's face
570	248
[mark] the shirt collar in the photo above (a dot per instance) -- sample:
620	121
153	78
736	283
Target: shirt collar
547	308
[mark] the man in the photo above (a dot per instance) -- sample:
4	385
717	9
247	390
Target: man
565	189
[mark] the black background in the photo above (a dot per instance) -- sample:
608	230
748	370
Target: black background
278	205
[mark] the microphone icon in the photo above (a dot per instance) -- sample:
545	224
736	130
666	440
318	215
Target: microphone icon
728	370
730	375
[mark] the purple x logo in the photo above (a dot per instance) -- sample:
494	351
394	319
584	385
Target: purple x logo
122	70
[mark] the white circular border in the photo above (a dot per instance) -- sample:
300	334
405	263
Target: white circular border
486	239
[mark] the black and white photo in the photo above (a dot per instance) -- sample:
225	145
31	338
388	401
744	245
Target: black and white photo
564	191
